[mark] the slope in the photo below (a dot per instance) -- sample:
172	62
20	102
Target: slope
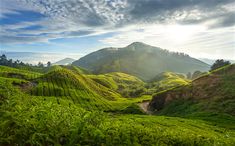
126	85
213	93
166	81
141	60
65	61
63	83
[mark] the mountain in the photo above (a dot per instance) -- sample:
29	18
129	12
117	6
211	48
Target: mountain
212	93
64	61
141	60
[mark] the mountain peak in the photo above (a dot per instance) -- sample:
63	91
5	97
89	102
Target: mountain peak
137	44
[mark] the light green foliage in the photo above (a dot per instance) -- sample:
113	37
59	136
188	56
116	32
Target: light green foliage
126	85
17	73
65	107
165	81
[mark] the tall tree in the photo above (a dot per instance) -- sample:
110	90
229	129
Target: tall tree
40	64
48	64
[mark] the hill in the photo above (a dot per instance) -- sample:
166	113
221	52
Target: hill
65	61
166	81
126	85
66	107
211	93
141	60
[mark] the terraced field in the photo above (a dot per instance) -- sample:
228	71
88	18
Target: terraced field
68	107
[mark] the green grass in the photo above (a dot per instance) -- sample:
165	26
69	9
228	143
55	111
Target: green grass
65	107
17	73
166	81
43	121
126	85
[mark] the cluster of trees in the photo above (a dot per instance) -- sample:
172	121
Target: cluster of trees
9	62
219	63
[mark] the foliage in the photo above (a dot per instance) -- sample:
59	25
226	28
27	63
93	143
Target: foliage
66	107
219	63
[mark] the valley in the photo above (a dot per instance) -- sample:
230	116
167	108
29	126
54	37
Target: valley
69	105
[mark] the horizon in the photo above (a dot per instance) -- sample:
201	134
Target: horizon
201	29
44	57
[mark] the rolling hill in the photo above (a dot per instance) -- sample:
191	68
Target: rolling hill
141	60
212	93
166	81
126	85
66	106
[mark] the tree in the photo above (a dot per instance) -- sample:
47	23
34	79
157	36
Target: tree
3	59
48	64
196	74
219	63
40	64
189	75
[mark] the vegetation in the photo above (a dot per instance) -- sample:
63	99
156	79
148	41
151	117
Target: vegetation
166	81
19	64
140	60
211	94
219	63
69	106
126	85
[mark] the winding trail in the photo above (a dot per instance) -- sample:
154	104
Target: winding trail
144	107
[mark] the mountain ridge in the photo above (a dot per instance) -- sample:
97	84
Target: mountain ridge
139	59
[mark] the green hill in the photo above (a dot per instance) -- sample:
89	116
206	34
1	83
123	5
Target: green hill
166	81
126	85
140	60
211	93
65	107
64	83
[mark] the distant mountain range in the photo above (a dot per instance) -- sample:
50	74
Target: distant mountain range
141	60
35	57
65	61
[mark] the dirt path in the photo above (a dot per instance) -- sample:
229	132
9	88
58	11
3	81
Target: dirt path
144	106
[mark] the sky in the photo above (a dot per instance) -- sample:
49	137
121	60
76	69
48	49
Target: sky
74	28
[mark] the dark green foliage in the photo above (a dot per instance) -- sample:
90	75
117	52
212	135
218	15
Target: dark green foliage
132	109
219	63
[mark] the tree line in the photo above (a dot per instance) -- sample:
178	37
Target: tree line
17	63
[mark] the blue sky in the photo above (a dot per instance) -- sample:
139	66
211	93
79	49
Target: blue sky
75	28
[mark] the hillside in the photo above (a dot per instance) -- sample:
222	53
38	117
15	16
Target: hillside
166	81
213	93
126	85
65	61
141	60
67	107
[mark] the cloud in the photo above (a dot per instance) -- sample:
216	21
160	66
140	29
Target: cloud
78	18
194	40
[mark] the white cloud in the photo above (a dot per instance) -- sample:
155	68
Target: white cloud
194	40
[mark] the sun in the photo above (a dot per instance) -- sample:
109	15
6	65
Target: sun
181	33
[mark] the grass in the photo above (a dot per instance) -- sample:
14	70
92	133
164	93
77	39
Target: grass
166	81
42	121
66	107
